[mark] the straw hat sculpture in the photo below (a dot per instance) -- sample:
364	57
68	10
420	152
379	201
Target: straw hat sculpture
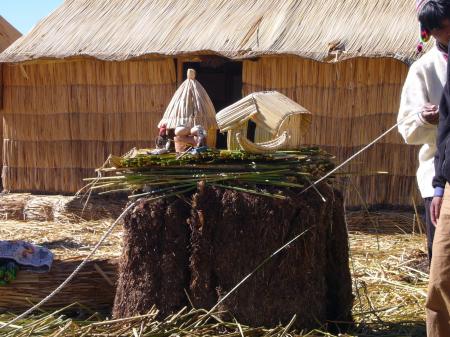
269	110
191	106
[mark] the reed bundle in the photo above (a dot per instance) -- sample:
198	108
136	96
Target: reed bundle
94	286
58	208
157	176
12	206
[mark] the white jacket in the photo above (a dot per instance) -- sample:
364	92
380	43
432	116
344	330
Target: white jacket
424	84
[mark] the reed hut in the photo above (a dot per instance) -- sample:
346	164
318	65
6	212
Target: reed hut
191	106
95	77
8	34
269	110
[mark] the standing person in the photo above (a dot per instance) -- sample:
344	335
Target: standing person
438	299
420	99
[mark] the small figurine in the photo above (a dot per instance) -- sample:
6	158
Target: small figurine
183	140
200	134
162	141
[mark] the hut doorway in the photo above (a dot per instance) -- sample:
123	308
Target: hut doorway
222	79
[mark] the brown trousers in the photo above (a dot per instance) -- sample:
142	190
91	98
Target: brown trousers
438	300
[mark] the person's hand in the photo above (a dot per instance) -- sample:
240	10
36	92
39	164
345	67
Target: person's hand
435	209
430	113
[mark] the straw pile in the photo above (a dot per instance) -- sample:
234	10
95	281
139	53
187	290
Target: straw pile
352	103
389	302
93	288
60	121
185	322
390	281
62	209
230	234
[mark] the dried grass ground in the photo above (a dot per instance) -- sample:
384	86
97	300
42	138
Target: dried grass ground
389	288
66	240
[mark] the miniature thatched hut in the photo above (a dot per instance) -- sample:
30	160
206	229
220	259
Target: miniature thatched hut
95	76
191	106
270	111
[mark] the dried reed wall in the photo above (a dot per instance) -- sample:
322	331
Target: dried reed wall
352	102
1	119
61	120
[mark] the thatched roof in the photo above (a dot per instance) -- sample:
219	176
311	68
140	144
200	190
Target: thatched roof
8	34
124	29
268	109
189	106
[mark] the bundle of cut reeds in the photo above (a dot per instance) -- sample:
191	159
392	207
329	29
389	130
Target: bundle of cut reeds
12	206
58	208
158	176
94	287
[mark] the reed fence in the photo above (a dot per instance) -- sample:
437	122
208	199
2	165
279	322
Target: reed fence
62	119
352	102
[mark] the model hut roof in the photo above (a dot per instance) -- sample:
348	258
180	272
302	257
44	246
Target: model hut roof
268	109
317	29
8	34
189	106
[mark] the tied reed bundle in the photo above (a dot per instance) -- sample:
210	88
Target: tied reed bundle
161	176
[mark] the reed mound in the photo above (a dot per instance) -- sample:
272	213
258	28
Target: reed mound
153	268
229	234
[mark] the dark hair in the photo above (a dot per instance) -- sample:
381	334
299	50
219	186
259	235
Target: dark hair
433	13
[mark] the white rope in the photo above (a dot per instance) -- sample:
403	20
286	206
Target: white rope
358	153
74	273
